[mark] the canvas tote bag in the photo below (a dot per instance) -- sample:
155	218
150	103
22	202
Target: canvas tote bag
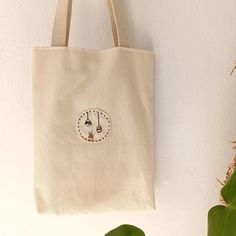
93	123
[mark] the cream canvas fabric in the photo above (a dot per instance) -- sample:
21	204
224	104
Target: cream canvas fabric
93	123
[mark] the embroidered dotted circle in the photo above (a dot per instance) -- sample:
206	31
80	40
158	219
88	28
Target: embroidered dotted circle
94	126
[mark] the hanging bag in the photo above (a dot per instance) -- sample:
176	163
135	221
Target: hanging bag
93	123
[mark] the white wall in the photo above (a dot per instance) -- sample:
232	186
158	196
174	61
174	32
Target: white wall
195	46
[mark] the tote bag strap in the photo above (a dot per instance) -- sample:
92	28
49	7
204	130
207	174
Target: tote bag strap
61	27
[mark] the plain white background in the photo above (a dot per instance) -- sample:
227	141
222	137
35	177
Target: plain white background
195	46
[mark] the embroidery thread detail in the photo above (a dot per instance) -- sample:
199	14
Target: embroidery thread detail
90	136
94	126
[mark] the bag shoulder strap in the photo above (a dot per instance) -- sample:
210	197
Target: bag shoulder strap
61	27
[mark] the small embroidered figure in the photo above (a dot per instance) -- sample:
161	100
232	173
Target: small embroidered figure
90	136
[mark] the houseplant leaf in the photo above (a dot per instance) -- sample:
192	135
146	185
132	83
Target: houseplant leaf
222	218
126	230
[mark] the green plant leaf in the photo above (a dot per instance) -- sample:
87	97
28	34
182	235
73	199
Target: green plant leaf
126	230
228	192
222	219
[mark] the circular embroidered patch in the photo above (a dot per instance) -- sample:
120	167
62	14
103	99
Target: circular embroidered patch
94	125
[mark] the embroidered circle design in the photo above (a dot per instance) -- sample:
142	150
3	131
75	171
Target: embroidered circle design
94	126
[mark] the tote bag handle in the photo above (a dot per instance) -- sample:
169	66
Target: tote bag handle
61	27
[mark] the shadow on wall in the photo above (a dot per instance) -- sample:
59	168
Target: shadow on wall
138	31
83	11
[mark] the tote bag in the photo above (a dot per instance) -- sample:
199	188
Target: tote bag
93	123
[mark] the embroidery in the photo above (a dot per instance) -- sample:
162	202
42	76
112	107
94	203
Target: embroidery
90	136
94	125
